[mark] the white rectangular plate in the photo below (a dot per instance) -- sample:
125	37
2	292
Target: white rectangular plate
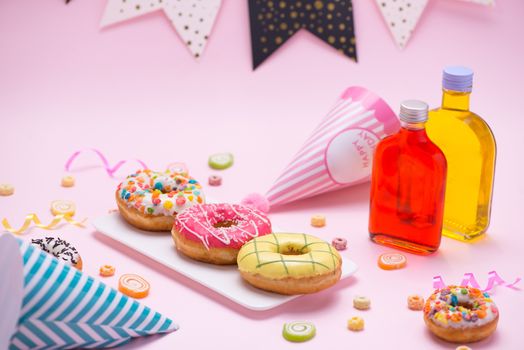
224	280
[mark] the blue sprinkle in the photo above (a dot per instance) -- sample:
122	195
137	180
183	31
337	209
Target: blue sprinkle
123	194
197	193
454	300
127	195
158	186
486	295
192	181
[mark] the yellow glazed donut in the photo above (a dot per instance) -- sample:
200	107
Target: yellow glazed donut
289	263
150	200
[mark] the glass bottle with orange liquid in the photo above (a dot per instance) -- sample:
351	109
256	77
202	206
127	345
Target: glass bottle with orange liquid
407	186
469	147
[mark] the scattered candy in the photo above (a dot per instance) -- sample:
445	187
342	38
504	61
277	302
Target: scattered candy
356	323
415	302
63	207
339	243
463	347
392	261
298	331
107	270
318	221
361	303
220	161
6	190
256	201
215	180
68	181
133	286
33	218
108	168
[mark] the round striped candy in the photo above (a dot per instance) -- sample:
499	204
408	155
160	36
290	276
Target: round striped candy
298	331
392	261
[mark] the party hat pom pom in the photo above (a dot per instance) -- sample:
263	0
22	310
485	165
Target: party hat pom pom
256	201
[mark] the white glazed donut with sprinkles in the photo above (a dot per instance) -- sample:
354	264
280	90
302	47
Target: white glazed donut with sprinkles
150	200
461	314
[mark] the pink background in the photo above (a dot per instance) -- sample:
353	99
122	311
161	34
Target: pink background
134	91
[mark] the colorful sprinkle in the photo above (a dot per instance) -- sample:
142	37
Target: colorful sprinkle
157	193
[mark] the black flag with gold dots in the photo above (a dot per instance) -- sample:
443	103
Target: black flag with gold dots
274	22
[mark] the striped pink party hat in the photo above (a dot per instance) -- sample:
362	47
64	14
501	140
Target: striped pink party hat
339	152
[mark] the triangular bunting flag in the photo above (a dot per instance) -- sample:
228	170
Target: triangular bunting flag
192	19
274	22
401	17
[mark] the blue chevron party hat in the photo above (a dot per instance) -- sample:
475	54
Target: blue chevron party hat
63	308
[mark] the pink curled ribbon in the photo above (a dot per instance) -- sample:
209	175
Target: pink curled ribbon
108	168
469	279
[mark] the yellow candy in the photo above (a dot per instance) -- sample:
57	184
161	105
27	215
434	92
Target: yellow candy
356	323
6	190
63	207
318	221
190	198
168	205
68	181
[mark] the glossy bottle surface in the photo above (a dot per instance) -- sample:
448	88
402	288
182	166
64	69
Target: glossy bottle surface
407	192
469	147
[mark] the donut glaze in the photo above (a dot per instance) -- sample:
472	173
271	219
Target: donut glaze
460	307
160	193
221	225
289	263
60	249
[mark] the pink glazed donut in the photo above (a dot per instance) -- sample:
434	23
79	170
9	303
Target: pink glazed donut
214	233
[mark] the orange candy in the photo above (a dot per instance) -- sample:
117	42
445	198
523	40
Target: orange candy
456	317
107	270
415	302
133	286
481	313
392	261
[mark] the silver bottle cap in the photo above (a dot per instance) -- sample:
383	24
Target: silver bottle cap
414	111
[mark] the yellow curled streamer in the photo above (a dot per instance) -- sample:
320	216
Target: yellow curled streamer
33	218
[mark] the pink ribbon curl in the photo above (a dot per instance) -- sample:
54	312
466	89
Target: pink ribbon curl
469	279
108	168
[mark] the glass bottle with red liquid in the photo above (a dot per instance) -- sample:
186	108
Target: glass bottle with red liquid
407	186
